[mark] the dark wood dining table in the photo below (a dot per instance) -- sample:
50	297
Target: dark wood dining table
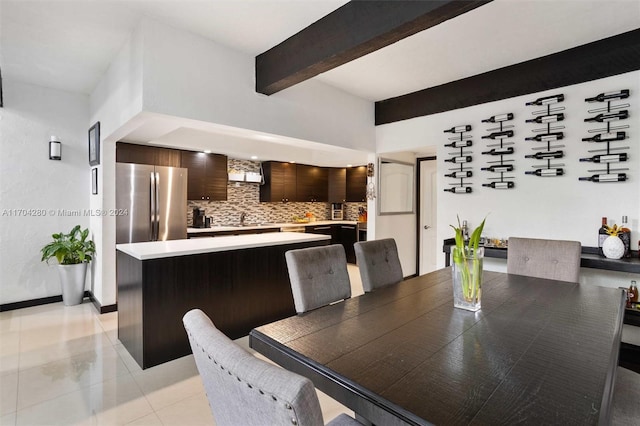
538	352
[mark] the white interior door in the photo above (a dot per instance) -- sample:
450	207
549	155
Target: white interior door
428	216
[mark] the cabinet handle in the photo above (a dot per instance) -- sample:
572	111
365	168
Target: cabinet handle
319	228
348	227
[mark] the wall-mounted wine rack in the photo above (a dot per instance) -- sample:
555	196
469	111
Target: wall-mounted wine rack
547	137
498	148
607	152
462	158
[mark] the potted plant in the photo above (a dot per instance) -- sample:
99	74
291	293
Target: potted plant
73	252
467	269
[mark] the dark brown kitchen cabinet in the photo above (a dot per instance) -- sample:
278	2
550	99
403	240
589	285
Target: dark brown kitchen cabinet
146	154
312	183
348	236
331	230
279	182
337	185
357	183
207	178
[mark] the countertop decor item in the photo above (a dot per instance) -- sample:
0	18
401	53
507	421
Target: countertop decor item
613	247
467	269
73	252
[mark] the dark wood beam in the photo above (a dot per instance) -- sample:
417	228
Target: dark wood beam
351	31
604	58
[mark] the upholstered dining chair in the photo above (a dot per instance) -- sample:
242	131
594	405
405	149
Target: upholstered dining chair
379	263
626	394
550	259
245	390
318	276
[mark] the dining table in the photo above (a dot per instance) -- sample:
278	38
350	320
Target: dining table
538	351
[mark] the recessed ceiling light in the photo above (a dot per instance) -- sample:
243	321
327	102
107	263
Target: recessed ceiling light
349	165
207	151
254	157
292	162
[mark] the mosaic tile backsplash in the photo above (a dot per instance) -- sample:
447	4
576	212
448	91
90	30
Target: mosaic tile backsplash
245	197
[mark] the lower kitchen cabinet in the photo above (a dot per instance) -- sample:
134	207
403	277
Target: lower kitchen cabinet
344	234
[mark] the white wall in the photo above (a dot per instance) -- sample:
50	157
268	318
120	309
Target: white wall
561	207
30	181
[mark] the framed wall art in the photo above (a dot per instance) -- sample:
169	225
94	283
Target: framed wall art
94	144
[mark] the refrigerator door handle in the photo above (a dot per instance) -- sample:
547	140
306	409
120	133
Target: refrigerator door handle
157	208
152	210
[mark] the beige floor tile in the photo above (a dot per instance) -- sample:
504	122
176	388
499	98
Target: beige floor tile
8	420
8	393
9	352
331	408
356	281
60	350
150	420
9	322
190	411
126	357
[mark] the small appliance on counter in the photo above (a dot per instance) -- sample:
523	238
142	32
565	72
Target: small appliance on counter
337	211
200	220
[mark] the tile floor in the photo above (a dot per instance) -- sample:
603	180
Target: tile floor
65	366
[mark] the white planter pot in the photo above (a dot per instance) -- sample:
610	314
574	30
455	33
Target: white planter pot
613	247
72	278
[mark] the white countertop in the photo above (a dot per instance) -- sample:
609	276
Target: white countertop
271	225
162	249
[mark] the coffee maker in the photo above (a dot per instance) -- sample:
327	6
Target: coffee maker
337	211
199	219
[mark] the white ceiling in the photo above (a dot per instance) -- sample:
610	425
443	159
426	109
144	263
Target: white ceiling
68	44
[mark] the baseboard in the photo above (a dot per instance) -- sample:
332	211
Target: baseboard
102	309
54	299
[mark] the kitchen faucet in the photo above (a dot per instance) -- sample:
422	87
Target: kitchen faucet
243	216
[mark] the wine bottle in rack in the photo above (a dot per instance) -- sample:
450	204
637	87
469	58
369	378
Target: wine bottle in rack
499	135
609	177
547	100
546	137
459	129
459	189
460	174
545	172
499	151
607	137
499	118
606	158
609	116
499	168
499	185
551	118
543	155
459	144
609	96
459	159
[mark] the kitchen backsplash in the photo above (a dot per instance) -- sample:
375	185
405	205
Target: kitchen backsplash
245	197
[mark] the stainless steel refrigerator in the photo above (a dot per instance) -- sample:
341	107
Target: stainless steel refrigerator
155	200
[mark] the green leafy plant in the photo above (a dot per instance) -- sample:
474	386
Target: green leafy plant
71	248
471	278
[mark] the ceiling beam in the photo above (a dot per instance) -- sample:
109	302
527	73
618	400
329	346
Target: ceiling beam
351	31
603	58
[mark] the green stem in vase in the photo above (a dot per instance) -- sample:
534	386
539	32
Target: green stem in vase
461	256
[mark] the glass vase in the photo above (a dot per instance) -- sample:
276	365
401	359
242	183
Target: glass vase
467	277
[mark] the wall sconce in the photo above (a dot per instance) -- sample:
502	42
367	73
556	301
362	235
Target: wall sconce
55	148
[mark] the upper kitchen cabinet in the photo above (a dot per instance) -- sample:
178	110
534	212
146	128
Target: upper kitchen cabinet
207	178
337	185
357	184
145	154
279	182
312	183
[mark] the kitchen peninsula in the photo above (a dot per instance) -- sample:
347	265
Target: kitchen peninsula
239	281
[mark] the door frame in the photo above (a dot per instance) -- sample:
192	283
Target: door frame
419	161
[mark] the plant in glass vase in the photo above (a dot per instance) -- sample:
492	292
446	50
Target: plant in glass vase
467	268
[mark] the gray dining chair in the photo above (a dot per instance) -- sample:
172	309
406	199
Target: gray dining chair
626	394
318	276
550	259
379	263
245	390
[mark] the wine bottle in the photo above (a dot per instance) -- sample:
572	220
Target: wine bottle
499	185
547	100
609	96
625	236
459	129
609	116
498	118
545	172
459	144
602	235
551	118
543	155
546	137
460	174
459	189
499	151
606	158
610	177
633	292
499	168
459	159
606	137
499	135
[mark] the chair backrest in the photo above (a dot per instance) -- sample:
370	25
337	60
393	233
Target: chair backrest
551	259
318	276
245	390
379	263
